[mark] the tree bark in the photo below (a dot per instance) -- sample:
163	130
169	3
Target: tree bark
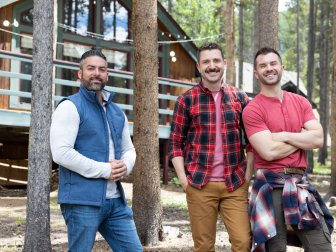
241	45
324	78
332	189
222	28
230	44
311	50
298	47
255	43
268	16
311	69
37	236
146	185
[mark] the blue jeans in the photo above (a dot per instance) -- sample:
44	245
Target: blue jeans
113	220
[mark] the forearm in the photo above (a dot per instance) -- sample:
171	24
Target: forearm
249	166
306	140
129	158
270	147
280	150
178	163
74	161
128	154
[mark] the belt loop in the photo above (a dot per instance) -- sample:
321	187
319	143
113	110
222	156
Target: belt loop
285	170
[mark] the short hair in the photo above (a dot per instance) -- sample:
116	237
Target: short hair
209	46
90	53
264	51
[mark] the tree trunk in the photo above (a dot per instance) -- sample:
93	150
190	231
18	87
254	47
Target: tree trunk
310	70
146	185
230	44
332	189
324	78
255	43
241	45
170	6
222	27
268	16
311	50
37	236
298	47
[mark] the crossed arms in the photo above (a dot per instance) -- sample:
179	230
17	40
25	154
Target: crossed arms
273	146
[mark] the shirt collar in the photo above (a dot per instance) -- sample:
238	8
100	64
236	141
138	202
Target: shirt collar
206	90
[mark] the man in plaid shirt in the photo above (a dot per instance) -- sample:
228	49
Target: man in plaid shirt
207	152
281	126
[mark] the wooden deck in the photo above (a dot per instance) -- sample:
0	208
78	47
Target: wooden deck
15	114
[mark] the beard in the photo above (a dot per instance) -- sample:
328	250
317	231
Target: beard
274	82
94	84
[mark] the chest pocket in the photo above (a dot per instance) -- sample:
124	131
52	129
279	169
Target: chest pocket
201	111
232	111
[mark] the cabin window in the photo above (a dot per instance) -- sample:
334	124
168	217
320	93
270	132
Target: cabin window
27	17
115	20
116	60
26	68
71	52
79	16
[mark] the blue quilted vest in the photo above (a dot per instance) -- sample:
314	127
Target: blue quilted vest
93	142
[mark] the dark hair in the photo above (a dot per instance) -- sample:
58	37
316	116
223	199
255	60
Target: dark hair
90	53
264	51
209	46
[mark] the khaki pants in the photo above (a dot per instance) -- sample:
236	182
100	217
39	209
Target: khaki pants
204	206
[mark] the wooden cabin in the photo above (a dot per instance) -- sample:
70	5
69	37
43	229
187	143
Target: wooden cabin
81	25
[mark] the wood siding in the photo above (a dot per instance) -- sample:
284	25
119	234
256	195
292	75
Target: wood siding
5	44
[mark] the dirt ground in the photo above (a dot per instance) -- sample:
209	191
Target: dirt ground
175	222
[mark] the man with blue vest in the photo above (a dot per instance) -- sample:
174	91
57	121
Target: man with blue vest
90	140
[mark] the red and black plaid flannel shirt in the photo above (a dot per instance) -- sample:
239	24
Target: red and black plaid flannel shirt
193	134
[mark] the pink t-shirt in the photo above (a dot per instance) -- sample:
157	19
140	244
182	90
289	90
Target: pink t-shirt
217	173
268	113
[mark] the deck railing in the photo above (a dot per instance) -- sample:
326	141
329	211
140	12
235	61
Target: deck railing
167	90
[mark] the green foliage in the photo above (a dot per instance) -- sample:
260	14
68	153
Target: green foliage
20	220
198	19
288	37
248	19
175	181
322	169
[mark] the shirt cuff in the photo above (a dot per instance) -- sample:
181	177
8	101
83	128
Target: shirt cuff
249	148
106	170
176	153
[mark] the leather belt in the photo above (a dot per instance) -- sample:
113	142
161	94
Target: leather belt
293	170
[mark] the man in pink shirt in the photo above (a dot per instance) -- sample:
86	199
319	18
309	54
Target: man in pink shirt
207	151
281	126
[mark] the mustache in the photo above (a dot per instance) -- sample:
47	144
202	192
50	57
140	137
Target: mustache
96	79
212	70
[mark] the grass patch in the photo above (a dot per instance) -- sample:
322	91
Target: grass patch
54	205
15	246
175	181
20	220
322	169
174	203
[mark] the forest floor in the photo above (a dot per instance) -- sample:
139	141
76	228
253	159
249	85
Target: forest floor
175	221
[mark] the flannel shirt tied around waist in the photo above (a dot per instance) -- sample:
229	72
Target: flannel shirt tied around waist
298	205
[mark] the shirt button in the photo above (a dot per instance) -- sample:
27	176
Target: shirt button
255	244
268	235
